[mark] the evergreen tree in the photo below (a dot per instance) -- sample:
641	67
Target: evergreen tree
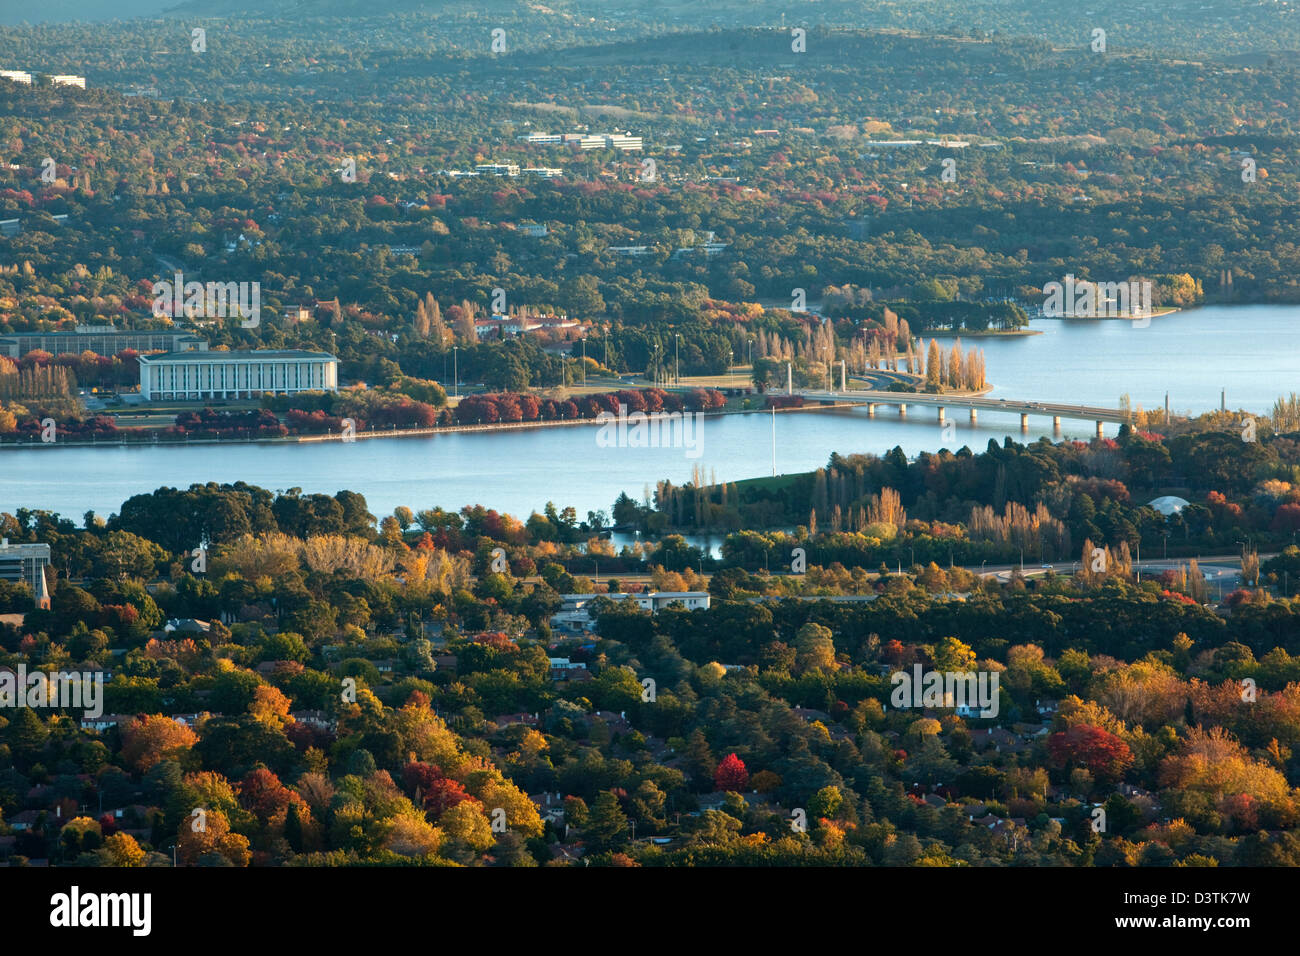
607	826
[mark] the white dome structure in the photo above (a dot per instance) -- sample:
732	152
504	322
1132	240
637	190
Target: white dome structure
1168	504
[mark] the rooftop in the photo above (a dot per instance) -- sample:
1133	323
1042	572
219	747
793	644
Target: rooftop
27	548
82	333
242	355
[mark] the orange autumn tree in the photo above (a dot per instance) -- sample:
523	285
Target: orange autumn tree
1248	792
147	740
210	833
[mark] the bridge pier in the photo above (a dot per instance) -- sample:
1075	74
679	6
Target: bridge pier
1056	423
1024	422
974	419
941	414
1100	433
871	409
902	410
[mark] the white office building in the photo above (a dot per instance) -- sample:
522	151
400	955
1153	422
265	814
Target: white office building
27	563
610	141
18	76
67	79
200	375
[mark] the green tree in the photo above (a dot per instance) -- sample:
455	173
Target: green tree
814	648
607	825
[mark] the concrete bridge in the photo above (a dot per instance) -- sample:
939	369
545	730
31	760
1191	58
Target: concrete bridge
974	404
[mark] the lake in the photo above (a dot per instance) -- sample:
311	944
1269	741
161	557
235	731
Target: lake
1253	352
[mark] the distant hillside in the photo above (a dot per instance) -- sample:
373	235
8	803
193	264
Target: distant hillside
358	8
62	11
1255	34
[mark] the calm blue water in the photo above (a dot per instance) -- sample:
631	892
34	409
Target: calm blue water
1253	352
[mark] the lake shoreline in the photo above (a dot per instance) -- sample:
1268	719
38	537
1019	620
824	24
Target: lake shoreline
392	433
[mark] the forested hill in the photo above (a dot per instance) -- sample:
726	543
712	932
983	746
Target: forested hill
1254	33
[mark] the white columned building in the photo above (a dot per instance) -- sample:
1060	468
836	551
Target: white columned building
188	376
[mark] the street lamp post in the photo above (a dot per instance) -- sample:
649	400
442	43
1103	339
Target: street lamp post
677	359
455	364
584	360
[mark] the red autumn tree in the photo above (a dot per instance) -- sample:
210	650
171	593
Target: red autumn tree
731	774
892	652
262	793
1097	750
432	790
419	777
443	795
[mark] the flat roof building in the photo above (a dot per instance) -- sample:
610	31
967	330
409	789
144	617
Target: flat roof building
187	376
102	341
610	141
575	612
26	563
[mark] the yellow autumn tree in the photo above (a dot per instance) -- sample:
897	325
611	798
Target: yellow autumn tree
121	850
412	835
467	824
1216	764
270	707
211	791
272	556
521	812
327	553
1144	692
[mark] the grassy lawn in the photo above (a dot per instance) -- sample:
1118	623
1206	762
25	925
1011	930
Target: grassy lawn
770	484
